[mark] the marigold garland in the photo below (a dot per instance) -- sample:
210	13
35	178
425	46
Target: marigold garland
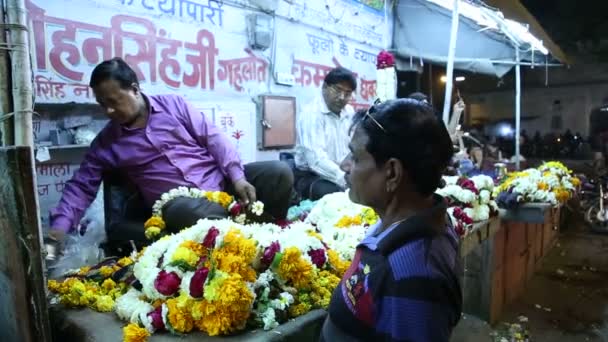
135	333
293	268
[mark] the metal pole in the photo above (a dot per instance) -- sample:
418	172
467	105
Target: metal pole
517	107
21	72
6	126
450	66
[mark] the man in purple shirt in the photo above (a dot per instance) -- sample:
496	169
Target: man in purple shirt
158	143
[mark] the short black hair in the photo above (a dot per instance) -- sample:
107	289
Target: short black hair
411	133
339	75
418	96
114	69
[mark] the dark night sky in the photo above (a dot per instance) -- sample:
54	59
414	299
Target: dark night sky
572	22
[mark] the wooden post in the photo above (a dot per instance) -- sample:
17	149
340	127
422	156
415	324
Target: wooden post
24	316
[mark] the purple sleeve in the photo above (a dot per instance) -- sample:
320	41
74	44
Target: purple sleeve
218	144
79	192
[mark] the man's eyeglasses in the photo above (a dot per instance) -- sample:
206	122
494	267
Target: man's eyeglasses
370	111
337	91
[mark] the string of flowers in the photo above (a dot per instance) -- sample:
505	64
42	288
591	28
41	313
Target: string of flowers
155	225
469	201
552	183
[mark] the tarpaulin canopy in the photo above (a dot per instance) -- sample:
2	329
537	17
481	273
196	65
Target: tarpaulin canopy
486	39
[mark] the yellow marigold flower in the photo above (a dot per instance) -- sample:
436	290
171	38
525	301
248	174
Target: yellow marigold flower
230	309
299	309
236	255
214	287
347	221
108	285
337	263
180	320
152	232
54	285
369	216
225	199
194	246
323	286
84	270
575	181
315	234
543	186
104	304
134	333
155	221
106	271
295	269
126	261
186	255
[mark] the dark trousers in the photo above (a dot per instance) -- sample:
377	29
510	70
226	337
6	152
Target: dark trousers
310	186
273	182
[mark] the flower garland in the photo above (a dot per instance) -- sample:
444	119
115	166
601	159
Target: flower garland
386	76
155	225
552	183
469	200
91	287
220	276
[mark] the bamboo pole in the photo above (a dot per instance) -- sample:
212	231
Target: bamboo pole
21	72
6	126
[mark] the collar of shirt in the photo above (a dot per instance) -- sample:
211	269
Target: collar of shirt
415	226
322	108
154	108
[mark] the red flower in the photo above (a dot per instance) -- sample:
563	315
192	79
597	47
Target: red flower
197	284
466	219
209	240
459	228
156	317
235	209
270	252
385	60
318	257
167	283
282	223
468	184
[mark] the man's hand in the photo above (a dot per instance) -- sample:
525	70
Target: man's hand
53	244
245	191
459	106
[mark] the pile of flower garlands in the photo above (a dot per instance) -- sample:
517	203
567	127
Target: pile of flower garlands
469	200
552	183
220	276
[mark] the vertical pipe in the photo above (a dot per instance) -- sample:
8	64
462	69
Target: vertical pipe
6	127
450	66
517	107
21	72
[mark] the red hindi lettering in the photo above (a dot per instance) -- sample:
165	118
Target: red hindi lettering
91	46
250	68
203	62
61	47
167	60
146	44
36	15
301	72
368	89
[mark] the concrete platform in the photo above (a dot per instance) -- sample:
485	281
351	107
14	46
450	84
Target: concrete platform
89	326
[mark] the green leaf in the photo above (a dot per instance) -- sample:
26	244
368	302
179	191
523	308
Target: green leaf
277	260
181	264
